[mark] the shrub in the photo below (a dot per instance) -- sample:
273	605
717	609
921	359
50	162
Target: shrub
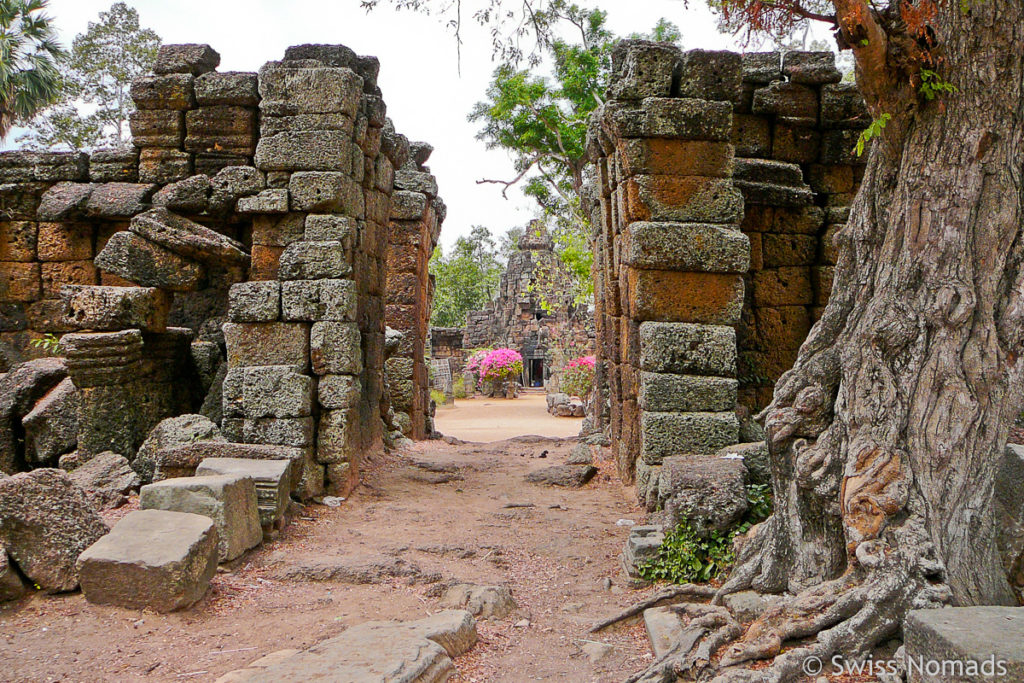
578	376
501	365
686	556
459	387
438	397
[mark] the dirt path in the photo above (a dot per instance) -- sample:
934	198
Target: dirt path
494	419
385	551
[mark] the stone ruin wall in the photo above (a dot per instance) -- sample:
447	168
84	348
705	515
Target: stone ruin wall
240	246
417	213
719	181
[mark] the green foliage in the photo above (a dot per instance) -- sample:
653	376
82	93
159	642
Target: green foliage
687	556
873	130
29	52
541	121
464	280
438	397
933	85
48	343
459	387
96	77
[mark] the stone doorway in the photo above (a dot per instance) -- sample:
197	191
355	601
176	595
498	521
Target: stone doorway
535	372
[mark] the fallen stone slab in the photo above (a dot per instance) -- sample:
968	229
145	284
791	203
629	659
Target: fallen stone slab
46	522
666	631
182	461
151	559
569	476
173	431
20	389
396	652
109	309
107	479
51	427
272	479
964	644
483	602
357	571
228	499
188	238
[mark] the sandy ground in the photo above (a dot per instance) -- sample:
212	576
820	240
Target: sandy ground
495	419
430	515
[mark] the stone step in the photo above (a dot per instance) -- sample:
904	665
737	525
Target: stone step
152	559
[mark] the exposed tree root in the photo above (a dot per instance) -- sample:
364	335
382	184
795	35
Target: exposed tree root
662	597
708	628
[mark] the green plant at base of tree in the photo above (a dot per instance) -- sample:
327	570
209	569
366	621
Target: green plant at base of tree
686	556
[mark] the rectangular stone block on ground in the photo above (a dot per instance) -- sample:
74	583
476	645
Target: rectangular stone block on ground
228	499
964	644
182	461
664	435
151	559
271	477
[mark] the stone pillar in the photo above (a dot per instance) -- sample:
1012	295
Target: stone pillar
106	367
670	255
416	216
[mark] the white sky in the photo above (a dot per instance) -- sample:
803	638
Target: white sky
426	96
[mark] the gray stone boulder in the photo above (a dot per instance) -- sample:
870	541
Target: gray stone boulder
483	602
46	522
556	399
51	427
964	644
11	585
397	652
568	476
20	389
228	499
754	457
107	479
174	431
580	455
707	492
151	559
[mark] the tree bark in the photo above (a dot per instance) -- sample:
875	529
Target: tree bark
886	434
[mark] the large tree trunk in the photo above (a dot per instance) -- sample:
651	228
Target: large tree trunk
886	434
